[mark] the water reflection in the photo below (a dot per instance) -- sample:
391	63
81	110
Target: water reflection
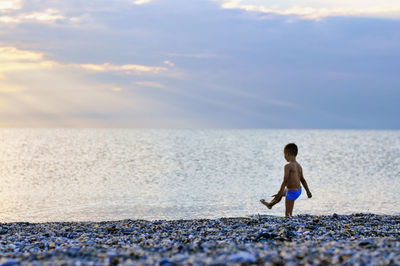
109	174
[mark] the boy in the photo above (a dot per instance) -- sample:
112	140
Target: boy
290	187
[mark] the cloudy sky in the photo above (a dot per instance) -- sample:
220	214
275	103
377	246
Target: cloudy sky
200	63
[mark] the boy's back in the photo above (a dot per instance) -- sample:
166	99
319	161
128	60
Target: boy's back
295	173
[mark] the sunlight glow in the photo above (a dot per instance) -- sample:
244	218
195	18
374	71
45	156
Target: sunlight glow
42	92
10	88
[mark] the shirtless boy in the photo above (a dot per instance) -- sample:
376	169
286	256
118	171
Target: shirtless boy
290	187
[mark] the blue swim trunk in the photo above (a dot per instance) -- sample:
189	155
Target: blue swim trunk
293	194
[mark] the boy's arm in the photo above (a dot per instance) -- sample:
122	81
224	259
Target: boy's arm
304	182
284	182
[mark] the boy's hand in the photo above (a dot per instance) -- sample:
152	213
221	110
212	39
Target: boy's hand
309	195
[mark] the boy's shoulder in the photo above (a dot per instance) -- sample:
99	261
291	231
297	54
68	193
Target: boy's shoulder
299	167
289	166
293	165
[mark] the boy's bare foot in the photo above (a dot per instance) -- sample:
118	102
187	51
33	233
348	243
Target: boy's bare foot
267	204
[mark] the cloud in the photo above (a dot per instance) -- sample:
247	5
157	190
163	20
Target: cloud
116	89
13	54
149	84
13	59
141	2
169	63
127	69
19	66
202	55
47	16
10	5
319	9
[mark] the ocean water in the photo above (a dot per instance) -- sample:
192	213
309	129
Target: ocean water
113	174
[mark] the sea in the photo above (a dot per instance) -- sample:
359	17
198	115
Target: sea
113	174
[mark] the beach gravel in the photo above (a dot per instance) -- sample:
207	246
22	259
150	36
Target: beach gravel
357	239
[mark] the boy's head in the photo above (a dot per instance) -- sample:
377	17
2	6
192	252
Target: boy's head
291	149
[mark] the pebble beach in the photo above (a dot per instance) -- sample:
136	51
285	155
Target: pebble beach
364	239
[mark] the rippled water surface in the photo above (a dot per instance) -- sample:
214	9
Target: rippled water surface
112	174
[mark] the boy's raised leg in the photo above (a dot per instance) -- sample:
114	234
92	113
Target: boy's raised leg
274	201
267	204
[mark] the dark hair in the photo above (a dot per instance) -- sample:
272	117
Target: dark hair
291	149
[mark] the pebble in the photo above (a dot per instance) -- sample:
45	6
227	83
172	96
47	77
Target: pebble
242	257
10	263
362	239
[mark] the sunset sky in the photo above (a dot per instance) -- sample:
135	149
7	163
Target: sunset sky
200	63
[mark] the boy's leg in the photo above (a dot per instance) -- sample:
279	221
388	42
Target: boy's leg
289	204
265	203
274	201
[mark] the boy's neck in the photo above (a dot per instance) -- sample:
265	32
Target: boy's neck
292	159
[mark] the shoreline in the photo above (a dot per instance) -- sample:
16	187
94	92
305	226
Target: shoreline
308	239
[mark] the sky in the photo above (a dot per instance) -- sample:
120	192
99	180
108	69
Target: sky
323	64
